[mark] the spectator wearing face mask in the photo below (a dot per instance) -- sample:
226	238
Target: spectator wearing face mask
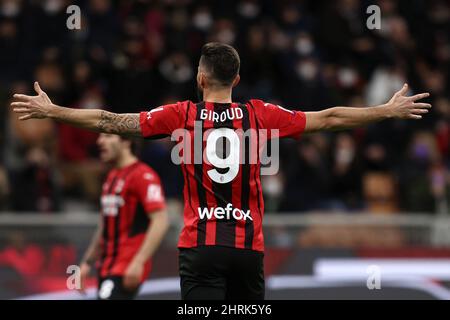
420	175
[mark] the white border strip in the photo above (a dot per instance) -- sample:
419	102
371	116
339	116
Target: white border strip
278	282
396	268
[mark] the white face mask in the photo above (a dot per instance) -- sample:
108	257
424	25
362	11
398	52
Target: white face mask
304	46
248	9
272	185
226	36
344	156
10	9
176	72
307	70
91	103
347	77
202	20
53	6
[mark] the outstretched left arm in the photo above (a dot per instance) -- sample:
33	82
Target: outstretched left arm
339	118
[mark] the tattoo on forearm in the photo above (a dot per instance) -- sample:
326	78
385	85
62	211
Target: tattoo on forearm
122	124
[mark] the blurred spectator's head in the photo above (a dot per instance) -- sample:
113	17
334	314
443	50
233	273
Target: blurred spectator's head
179	20
50	76
345	150
4	187
388	7
376	156
92	99
380	192
224	31
176	68
307	69
8	29
348	77
100	6
290	15
249	9
10	8
82	73
309	153
52	7
256	38
202	18
114	148
442	107
423	149
304	44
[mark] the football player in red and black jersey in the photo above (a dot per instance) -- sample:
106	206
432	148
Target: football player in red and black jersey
132	224
221	244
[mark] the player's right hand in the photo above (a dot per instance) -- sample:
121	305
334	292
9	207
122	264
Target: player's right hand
85	269
37	107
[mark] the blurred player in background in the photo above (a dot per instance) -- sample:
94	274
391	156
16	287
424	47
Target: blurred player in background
221	244
132	225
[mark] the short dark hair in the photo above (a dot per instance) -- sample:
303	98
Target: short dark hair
221	61
135	145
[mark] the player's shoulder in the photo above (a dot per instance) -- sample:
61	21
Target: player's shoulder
183	105
178	106
261	104
257	106
256	103
144	171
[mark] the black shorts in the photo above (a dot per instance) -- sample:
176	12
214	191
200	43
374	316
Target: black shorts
219	273
111	288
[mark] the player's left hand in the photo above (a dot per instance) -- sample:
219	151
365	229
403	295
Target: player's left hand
404	107
133	275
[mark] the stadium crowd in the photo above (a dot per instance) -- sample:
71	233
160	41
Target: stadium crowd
306	55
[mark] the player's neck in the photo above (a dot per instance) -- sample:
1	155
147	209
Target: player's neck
219	96
125	160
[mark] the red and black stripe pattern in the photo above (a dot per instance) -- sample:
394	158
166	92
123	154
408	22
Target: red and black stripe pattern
204	194
213	192
125	219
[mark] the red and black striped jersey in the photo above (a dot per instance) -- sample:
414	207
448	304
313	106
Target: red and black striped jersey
219	146
129	195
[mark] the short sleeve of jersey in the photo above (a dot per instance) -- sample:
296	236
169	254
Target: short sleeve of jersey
149	191
286	123
162	121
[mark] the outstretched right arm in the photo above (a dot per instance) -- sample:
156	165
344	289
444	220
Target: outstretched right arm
40	106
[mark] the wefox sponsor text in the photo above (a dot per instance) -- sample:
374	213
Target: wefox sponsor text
224	213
